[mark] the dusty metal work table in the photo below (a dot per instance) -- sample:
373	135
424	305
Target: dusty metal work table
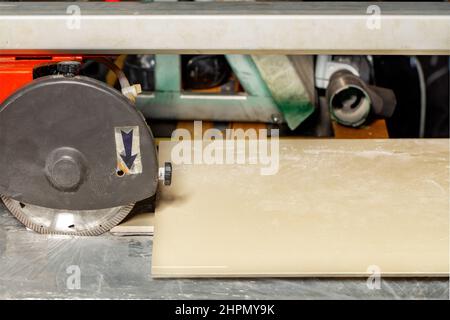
35	266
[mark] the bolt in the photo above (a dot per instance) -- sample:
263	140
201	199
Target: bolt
275	118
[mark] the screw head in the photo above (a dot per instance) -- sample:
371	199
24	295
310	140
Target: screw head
275	118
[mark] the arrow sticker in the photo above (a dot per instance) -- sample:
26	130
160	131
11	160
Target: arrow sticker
128	150
128	157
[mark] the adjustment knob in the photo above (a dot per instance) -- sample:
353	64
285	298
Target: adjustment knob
165	174
68	68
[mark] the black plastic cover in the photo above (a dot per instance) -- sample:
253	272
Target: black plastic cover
59	149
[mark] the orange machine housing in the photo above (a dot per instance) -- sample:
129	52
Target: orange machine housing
16	71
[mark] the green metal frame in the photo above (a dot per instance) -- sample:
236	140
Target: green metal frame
257	104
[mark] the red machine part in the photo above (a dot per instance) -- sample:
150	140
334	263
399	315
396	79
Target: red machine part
15	72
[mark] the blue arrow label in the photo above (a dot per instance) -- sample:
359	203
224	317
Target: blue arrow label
128	158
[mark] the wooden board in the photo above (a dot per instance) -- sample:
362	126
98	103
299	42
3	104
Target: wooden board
335	208
374	130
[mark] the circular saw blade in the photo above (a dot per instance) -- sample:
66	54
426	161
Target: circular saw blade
69	222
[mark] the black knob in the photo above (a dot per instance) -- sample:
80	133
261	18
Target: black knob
167	173
68	68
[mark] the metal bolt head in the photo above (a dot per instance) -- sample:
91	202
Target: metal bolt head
275	118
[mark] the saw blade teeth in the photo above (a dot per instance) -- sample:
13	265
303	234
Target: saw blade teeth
17	209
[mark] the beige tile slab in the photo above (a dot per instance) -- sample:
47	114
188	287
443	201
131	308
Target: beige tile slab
335	208
140	223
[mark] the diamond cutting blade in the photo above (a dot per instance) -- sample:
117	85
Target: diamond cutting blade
70	222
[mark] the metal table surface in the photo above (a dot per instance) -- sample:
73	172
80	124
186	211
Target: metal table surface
34	266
